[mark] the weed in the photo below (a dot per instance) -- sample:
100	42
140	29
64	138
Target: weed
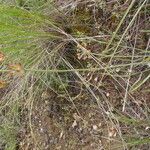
76	56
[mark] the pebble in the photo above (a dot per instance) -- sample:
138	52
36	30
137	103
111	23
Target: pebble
74	124
61	134
95	127
41	130
107	94
147	128
117	69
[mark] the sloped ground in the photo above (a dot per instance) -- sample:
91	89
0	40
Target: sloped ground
97	95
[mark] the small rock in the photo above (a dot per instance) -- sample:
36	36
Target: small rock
96	79
61	134
46	102
41	130
95	127
112	132
100	124
130	70
107	113
107	94
147	128
117	69
74	124
58	147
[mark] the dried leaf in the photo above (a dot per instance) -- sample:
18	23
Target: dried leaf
2	57
3	84
16	69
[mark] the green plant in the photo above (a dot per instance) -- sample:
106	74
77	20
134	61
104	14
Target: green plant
83	49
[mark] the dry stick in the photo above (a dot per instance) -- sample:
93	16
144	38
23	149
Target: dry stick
130	71
84	50
124	31
118	27
90	90
70	98
86	85
122	38
114	35
78	69
30	120
73	70
131	22
125	98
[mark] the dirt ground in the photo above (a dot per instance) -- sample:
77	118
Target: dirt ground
81	120
56	123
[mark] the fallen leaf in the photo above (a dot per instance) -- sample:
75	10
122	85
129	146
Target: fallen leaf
3	84
2	57
16	69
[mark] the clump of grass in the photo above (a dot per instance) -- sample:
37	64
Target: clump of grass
8	136
22	33
87	51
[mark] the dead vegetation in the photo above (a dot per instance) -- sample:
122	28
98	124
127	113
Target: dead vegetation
77	77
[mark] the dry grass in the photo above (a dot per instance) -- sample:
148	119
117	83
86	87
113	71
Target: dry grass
74	74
